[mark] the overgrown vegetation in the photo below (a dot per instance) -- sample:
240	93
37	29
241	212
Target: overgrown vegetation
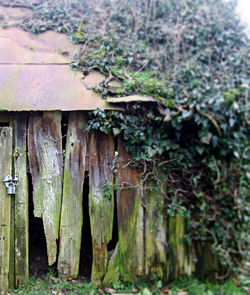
187	286
193	57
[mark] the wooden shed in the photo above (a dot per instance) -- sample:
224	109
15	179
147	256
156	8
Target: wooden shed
65	204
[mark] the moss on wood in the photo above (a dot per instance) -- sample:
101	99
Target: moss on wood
101	200
179	254
72	211
21	203
46	163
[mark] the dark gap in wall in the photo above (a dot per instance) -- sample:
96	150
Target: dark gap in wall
64	128
38	259
86	256
4	124
111	245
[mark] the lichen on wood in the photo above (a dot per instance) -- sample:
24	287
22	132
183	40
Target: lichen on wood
21	202
101	200
46	166
72	210
130	219
5	206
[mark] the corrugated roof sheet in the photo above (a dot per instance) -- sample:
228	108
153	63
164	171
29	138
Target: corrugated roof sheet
35	73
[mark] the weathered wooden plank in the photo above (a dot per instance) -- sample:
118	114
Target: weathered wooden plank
72	211
130	219
21	202
179	253
155	231
5	206
46	165
12	223
101	200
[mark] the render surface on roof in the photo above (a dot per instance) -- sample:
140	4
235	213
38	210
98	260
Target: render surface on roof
35	72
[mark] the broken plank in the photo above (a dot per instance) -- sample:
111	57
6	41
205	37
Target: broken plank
101	200
72	211
21	201
5	206
130	218
155	229
46	166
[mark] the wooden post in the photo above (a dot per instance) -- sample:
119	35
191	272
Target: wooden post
72	211
5	206
130	219
46	164
101	200
179	254
155	230
21	202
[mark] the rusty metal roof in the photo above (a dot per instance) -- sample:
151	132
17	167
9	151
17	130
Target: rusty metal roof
35	72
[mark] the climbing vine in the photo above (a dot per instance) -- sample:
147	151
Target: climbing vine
193	58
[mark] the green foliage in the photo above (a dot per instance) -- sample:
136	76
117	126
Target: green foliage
52	285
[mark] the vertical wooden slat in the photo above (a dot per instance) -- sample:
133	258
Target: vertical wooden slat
5	206
72	211
12	222
179	254
101	200
155	231
21	202
130	219
46	165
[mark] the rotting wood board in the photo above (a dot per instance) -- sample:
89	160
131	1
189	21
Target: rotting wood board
130	218
72	211
46	166
101	200
21	201
5	206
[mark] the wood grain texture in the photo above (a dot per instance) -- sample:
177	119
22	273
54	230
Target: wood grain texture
101	200
46	165
130	219
21	202
72	211
5	206
155	232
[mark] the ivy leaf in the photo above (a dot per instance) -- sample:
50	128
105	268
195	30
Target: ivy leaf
116	131
151	152
200	149
206	138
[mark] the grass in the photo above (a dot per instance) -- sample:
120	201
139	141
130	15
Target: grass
51	285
